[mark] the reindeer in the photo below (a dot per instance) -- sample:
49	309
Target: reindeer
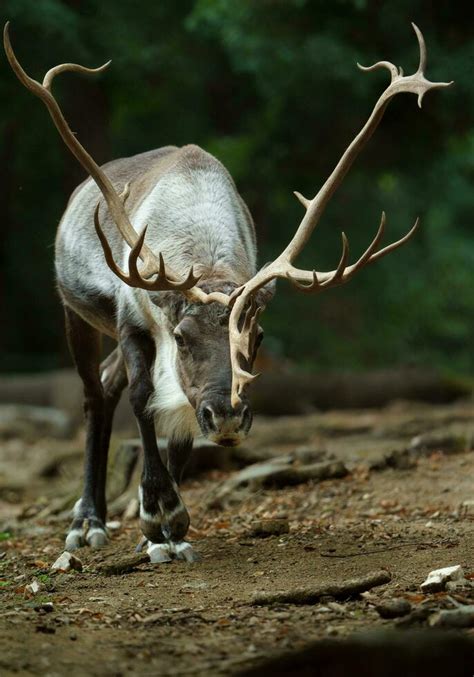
180	293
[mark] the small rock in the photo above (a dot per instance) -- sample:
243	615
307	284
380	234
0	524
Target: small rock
269	527
115	525
32	588
282	615
338	608
467	507
66	562
438	578
462	617
393	608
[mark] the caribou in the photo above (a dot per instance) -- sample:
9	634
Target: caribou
180	292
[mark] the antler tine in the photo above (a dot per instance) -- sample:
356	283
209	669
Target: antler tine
124	195
304	200
72	68
395	245
422	46
372	246
242	343
342	262
312	286
134	273
249	330
316	284
394	71
106	247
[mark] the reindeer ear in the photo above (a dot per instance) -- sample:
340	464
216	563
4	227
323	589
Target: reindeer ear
266	293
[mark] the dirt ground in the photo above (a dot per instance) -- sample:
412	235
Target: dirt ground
406	517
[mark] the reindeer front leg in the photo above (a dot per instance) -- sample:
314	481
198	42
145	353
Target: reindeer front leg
163	517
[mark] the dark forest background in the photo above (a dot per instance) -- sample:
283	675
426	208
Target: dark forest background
272	89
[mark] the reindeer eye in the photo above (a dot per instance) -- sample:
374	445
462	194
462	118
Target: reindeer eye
179	340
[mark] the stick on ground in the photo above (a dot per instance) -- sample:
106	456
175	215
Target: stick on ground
349	588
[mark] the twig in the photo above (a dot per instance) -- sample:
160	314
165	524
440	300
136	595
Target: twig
123	566
343	590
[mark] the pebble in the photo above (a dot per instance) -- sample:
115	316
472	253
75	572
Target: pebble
467	507
114	525
66	562
393	608
32	588
438	578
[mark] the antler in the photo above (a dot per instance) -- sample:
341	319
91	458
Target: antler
242	332
312	281
165	280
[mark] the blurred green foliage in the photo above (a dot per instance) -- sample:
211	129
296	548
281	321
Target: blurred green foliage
271	88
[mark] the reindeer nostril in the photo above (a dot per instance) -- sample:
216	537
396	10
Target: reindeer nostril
208	416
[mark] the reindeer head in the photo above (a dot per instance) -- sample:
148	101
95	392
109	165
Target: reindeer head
200	333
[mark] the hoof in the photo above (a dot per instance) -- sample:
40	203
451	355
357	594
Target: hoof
97	538
184	550
74	540
159	553
86	531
